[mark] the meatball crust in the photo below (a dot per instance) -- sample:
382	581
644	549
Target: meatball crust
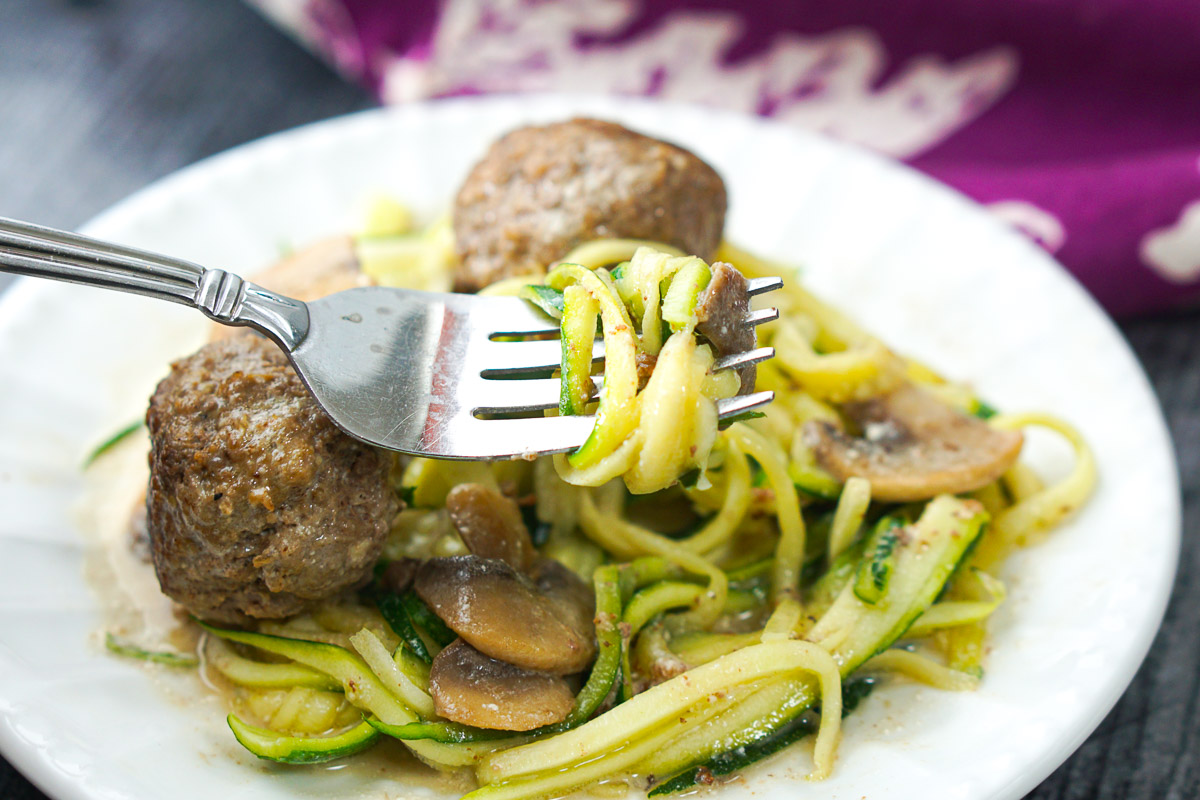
257	504
540	191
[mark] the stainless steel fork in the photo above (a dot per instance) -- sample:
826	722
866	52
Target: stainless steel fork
424	373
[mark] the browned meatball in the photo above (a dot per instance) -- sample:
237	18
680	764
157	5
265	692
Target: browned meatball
257	503
540	191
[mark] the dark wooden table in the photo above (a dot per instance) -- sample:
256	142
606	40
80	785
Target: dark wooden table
100	97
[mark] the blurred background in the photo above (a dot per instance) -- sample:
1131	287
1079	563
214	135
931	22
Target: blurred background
1076	121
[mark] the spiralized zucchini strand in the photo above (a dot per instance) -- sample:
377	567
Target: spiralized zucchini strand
667	701
605	252
611	765
1026	521
733	508
920	668
952	613
616	416
381	663
851	507
258	674
789	554
616	535
362	688
651	437
783	621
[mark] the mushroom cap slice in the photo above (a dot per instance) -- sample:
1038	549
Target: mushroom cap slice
473	689
721	313
490	525
501	613
574	600
398	575
913	447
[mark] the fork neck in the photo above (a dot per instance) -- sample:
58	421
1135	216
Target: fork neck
231	300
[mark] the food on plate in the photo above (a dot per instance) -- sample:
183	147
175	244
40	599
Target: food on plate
913	446
668	604
258	506
656	415
542	190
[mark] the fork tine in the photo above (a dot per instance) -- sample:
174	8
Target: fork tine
517	438
500	397
504	438
511	316
733	406
534	394
760	285
761	316
745	359
530	394
512	358
539	394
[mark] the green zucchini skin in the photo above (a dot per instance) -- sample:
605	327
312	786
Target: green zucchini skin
924	560
875	571
722	424
391	607
795	729
546	298
679	303
444	732
121	648
284	749
420	614
112	441
578	330
984	410
815	482
407	615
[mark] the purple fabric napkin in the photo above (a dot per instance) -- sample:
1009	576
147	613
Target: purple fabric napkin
1078	121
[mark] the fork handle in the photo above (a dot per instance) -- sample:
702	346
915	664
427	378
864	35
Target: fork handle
34	250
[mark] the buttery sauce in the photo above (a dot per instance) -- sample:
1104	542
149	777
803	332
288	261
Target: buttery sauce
134	609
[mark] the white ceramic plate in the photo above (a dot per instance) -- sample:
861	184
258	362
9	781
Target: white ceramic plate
923	267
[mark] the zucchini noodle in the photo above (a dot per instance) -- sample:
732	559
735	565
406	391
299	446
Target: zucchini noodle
789	554
1031	517
851	508
665	702
952	613
653	436
629	541
922	669
741	583
733	507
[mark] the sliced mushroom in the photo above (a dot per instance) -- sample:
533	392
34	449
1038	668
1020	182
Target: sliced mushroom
474	689
501	613
398	575
572	598
913	447
721	312
490	525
